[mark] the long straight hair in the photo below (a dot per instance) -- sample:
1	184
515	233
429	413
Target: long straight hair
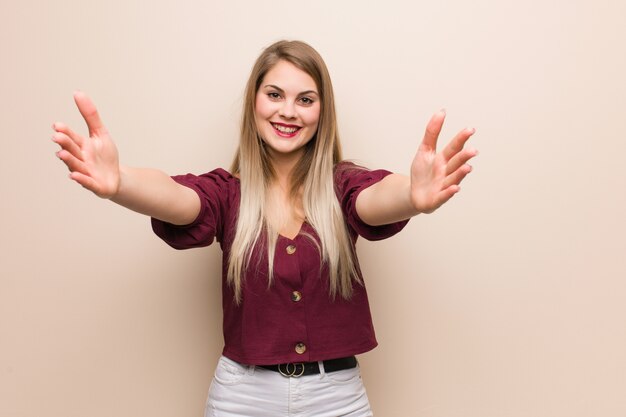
312	178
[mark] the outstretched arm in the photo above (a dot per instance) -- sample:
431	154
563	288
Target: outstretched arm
94	163
434	179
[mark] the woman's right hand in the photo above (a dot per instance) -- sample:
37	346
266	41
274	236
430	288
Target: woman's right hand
93	162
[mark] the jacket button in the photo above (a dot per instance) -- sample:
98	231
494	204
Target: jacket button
296	296
300	348
291	249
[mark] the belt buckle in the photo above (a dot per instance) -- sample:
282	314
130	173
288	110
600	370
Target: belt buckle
289	372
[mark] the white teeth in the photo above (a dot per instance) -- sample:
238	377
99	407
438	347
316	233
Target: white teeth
284	129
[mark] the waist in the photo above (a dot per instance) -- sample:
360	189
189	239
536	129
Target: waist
297	369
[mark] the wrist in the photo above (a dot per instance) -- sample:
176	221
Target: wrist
123	179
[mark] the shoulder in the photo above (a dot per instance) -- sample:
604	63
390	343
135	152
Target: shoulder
220	174
349	175
216	188
216	180
347	165
344	170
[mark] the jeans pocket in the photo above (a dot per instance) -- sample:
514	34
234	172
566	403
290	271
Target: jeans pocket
229	372
345	376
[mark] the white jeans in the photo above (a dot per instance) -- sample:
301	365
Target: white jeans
248	391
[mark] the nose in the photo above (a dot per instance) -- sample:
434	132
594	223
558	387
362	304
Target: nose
287	110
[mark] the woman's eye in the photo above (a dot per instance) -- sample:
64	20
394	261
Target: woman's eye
273	95
306	100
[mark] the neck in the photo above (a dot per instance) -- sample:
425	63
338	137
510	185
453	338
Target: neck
284	166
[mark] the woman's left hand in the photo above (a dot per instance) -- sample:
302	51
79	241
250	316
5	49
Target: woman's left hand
435	177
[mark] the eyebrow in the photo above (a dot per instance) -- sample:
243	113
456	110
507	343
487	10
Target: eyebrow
282	91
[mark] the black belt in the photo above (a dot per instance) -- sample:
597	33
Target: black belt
311	368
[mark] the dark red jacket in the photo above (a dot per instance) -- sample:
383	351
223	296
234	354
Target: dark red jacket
294	319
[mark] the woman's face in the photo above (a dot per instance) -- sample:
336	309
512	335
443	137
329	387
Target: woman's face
287	110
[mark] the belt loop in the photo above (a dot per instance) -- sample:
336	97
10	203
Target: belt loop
250	370
322	370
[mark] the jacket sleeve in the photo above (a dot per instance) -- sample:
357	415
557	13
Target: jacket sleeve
350	180
214	189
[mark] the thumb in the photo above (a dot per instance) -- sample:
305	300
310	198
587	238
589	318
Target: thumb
89	112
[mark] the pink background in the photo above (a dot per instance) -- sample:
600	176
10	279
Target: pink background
508	302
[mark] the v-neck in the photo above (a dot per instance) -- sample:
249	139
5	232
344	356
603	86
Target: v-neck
297	234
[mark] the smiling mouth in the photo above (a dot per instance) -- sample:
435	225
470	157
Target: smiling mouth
285	130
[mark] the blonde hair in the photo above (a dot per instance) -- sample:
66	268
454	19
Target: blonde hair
313	176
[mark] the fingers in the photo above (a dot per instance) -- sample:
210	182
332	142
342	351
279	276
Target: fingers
64	129
71	153
460	159
457	158
456	177
84	180
73	163
90	113
436	177
457	143
445	195
433	128
457	168
66	143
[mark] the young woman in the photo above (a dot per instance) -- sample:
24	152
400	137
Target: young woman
287	217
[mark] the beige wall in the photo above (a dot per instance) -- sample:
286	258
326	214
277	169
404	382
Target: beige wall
508	302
